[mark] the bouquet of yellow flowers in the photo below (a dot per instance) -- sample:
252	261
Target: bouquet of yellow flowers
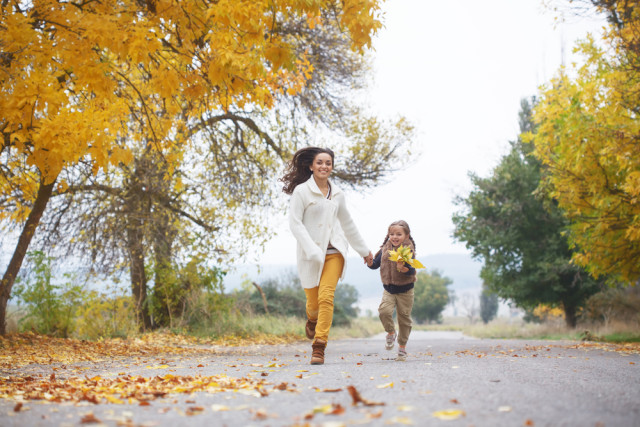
404	254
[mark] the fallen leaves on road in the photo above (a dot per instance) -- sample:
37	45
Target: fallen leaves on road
23	349
125	389
400	420
355	396
627	348
449	414
387	385
90	419
331	409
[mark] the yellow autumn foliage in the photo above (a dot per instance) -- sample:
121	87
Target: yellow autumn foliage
81	81
589	140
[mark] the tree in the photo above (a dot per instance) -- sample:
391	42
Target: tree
488	305
346	296
469	302
519	234
82	80
587	139
168	219
431	296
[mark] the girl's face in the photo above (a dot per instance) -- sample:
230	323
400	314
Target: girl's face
397	235
322	166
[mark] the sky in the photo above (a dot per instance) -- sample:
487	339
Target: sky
457	71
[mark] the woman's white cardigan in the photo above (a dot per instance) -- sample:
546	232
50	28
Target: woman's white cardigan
316	221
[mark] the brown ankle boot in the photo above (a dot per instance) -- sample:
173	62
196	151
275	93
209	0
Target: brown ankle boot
310	329
317	355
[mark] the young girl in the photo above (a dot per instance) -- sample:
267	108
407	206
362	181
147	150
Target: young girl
398	279
322	226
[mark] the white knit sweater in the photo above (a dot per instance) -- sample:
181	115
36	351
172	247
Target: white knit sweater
315	221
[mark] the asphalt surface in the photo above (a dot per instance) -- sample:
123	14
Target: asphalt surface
484	382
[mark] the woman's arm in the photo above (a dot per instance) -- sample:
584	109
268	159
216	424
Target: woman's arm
349	227
299	231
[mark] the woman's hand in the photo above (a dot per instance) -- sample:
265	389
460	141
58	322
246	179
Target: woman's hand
317	256
368	259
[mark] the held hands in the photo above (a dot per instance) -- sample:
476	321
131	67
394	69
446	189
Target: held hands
368	259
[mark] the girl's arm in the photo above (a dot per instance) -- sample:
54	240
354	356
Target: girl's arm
299	231
375	264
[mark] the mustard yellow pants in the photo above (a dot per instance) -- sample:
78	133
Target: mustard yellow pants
320	298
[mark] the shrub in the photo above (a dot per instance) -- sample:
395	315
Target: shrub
285	298
103	316
186	294
616	303
48	308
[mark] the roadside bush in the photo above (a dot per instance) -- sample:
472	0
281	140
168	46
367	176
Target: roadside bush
104	316
186	294
614	304
431	296
48	308
285	297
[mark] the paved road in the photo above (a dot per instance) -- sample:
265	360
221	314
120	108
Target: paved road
494	383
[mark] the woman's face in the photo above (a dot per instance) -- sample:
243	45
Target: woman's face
322	166
397	235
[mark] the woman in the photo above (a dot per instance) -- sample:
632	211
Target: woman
323	228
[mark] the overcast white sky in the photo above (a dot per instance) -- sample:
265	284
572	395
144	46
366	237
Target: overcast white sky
458	71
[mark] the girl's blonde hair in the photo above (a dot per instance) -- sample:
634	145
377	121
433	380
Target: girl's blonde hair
405	227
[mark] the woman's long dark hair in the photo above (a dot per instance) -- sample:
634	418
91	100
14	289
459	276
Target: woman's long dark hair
298	169
407	230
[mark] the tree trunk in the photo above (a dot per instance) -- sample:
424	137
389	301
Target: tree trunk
28	230
137	272
570	315
162	248
264	298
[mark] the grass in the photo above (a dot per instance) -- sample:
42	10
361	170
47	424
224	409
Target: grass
247	326
360	327
555	329
240	327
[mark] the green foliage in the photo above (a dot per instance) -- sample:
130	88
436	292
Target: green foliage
105	316
285	297
187	292
344	300
488	305
519	234
49	308
431	296
244	325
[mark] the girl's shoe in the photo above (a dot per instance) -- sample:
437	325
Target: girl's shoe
402	355
391	339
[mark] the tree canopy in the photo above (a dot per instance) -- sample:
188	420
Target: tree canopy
431	296
508	223
587	138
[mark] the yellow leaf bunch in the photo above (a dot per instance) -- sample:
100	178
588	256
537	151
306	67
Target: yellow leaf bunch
404	254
